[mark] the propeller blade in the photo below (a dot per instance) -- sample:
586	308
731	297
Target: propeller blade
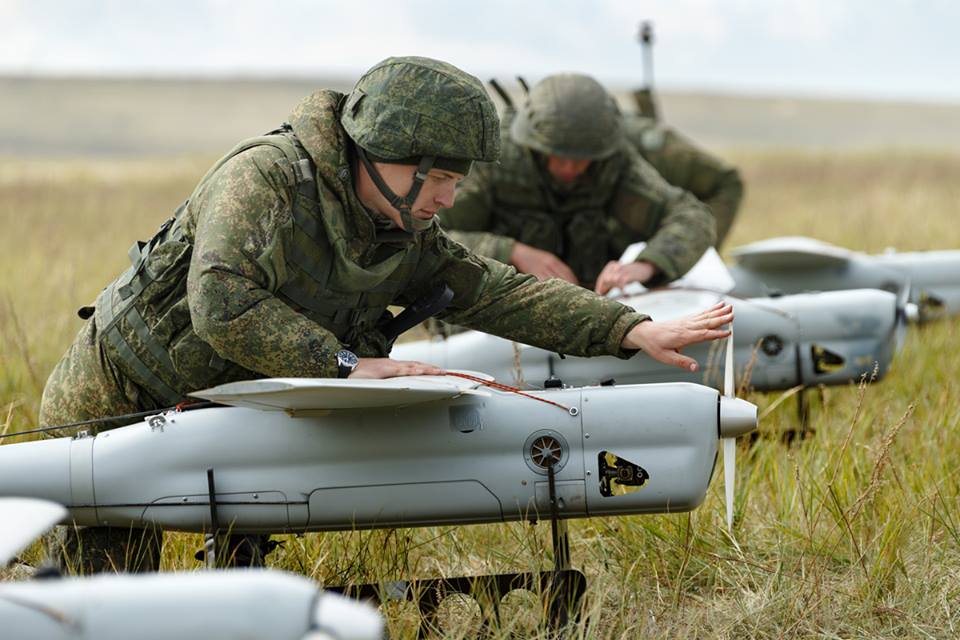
22	520
728	370
729	475
906	313
729	444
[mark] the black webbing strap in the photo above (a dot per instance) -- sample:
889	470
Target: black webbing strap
400	203
426	307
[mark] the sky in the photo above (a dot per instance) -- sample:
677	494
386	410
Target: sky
886	49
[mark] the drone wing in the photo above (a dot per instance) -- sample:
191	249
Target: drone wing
667	304
22	520
311	394
793	252
709	272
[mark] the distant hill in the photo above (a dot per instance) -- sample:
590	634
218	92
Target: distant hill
57	117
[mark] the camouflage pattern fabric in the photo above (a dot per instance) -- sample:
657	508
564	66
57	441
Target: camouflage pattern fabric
618	201
387	114
683	164
258	276
569	115
85	385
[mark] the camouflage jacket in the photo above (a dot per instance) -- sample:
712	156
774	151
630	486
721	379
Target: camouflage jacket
273	265
618	201
681	163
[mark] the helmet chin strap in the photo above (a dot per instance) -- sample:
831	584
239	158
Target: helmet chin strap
403	204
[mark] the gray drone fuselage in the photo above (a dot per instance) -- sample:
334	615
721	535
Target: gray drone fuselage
315	454
812	339
217	605
796	264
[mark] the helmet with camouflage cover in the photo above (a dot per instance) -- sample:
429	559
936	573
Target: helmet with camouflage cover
423	112
569	115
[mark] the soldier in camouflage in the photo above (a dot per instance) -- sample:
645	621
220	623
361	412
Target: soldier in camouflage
683	164
570	194
286	256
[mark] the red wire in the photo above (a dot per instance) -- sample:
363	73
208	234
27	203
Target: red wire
503	387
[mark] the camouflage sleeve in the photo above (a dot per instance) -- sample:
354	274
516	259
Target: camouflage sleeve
679	227
469	220
683	164
243	219
486	244
551	314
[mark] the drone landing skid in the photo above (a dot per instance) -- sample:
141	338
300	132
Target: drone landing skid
562	591
562	588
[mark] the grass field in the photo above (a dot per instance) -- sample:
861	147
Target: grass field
852	533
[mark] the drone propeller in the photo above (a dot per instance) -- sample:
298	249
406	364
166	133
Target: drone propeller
729	444
737	417
22	520
907	312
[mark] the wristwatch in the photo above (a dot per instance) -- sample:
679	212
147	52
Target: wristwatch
347	361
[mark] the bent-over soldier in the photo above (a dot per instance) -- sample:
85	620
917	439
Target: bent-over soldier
284	259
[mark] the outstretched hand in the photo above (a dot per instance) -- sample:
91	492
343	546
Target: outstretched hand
379	368
663	341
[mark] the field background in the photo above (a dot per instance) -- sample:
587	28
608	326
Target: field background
854	532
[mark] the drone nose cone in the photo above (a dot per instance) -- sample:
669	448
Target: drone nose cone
39	469
338	617
737	417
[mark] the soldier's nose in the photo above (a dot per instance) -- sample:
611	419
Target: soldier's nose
446	197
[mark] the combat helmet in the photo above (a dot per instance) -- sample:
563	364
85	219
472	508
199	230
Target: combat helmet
423	112
569	115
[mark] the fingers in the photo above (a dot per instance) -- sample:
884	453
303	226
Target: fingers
607	278
557	268
380	368
539	263
717	316
717	310
616	275
414	368
687	363
540	274
553	268
714	334
674	358
561	270
601	287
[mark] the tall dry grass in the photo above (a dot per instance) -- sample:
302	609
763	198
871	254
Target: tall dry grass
853	532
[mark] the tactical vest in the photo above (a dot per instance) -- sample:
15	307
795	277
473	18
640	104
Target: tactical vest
144	322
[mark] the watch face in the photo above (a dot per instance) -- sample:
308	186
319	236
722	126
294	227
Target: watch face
347	360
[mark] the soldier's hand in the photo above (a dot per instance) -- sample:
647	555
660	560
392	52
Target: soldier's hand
378	368
663	341
616	275
540	263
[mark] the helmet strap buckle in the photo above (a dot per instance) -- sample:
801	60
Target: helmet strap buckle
403	204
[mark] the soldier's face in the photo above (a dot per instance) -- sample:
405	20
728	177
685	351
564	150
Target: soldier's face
566	169
438	190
